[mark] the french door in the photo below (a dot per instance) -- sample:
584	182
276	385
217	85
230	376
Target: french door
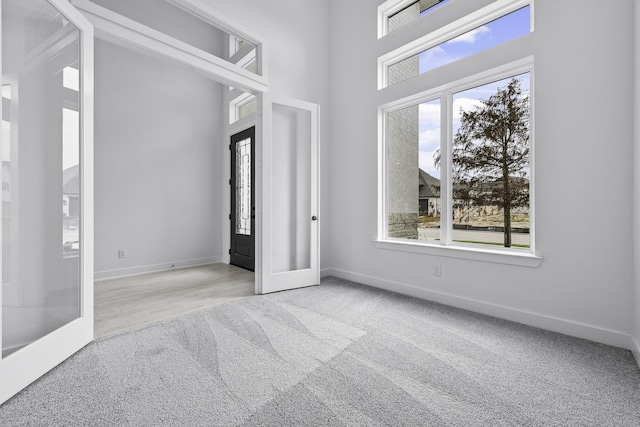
47	188
289	226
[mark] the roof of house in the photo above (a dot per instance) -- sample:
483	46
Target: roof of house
71	180
428	185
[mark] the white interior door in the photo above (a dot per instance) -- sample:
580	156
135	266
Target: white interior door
288	195
47	188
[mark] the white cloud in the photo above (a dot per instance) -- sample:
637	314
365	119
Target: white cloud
429	115
426	163
429	139
467	104
435	57
429	143
471	36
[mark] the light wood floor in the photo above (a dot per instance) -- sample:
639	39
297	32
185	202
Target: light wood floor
131	302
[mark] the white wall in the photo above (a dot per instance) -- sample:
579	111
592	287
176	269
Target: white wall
636	189
158	180
583	151
169	19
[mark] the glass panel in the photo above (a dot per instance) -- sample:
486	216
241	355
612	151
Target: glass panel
252	66
491	164
242	106
40	172
247	108
413	187
243	187
492	34
291	189
429	180
6	180
412	12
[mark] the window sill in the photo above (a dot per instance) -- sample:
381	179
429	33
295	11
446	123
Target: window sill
523	259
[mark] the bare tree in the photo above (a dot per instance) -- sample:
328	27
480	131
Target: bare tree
491	153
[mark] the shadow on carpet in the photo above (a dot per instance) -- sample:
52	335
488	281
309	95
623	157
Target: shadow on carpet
336	354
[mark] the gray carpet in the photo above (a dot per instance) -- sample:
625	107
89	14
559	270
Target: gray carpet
336	354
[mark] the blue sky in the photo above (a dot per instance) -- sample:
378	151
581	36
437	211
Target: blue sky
488	35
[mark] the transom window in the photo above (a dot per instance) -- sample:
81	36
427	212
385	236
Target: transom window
503	29
242	106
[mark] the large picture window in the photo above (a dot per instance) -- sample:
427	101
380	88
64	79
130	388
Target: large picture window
477	170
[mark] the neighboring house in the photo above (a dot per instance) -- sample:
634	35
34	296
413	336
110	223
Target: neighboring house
485	199
465	208
71	192
428	193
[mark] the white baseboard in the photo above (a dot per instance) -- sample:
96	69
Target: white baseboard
550	323
154	268
326	272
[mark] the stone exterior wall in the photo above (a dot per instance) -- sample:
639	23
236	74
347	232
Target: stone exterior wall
402	143
402	180
404	17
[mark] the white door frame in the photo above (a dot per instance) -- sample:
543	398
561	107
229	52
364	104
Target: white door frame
133	35
21	368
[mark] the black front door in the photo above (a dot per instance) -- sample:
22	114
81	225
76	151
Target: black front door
243	241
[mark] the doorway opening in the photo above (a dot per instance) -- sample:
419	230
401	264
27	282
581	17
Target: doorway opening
242	252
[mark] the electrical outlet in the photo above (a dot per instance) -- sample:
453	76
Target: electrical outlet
437	270
122	253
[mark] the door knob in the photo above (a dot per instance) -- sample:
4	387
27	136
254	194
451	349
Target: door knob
314	218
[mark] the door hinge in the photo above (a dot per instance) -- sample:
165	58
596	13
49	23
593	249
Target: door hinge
229	182
229	251
229	147
229	216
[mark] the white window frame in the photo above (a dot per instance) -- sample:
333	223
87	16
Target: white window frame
448	32
236	103
512	59
446	245
242	56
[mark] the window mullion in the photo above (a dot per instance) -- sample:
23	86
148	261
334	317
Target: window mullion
446	193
